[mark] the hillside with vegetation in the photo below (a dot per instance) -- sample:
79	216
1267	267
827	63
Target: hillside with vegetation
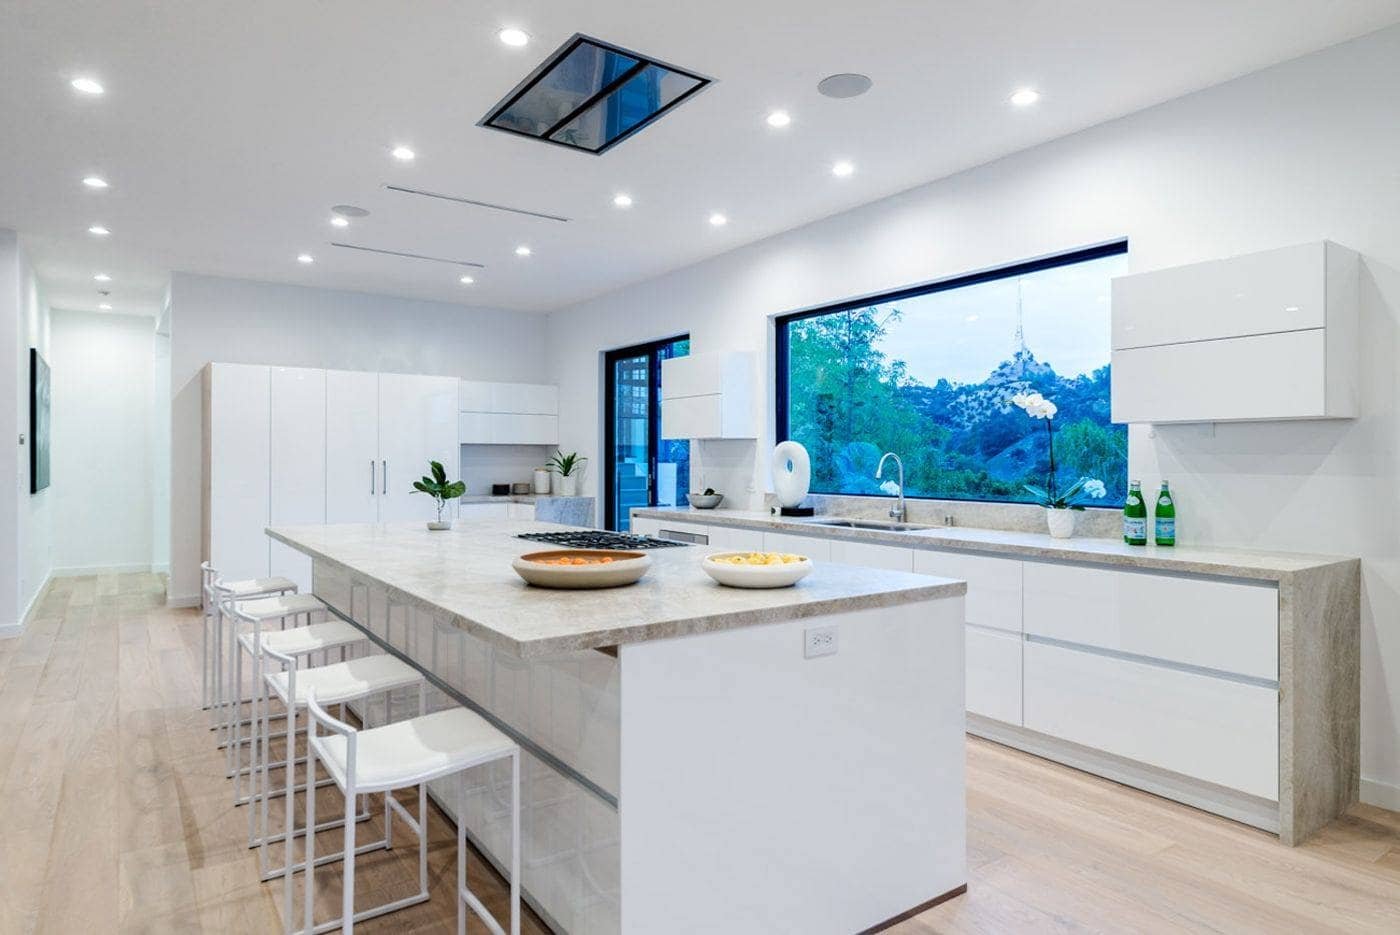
849	402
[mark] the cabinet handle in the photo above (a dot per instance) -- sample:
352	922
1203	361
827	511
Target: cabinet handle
386	478
371	477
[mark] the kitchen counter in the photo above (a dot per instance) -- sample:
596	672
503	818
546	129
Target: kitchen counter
464	574
1184	559
715	714
514	497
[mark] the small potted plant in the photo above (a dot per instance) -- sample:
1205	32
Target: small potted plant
1059	505
568	467
441	491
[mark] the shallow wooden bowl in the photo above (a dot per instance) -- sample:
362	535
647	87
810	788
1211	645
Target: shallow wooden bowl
755	576
625	568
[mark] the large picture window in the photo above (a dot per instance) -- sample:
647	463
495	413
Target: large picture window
929	374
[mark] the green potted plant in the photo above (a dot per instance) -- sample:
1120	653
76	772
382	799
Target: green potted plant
568	467
440	490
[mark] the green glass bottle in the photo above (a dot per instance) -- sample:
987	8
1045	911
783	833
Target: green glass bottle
1135	516
1165	532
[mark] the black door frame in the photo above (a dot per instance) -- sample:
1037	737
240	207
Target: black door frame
610	359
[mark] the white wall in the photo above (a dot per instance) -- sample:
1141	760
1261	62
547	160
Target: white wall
1302	151
238	321
103	368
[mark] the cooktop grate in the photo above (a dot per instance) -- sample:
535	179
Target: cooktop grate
599	539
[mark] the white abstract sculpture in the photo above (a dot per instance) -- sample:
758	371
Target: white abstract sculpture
792	473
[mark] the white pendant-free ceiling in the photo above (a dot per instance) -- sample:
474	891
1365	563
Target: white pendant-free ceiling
227	132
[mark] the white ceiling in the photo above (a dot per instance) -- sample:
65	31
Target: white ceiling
229	128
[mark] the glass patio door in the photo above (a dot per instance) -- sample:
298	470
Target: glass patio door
641	468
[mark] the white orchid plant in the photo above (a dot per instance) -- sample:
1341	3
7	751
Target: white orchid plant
1086	488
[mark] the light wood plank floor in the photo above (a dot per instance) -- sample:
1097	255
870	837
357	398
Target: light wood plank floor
115	817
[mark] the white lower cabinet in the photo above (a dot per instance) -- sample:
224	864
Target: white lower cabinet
736	539
1214	729
818	550
993	585
486	511
994	674
870	555
520	510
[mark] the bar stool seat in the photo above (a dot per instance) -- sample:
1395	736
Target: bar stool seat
351	680
281	605
420	749
300	641
253	587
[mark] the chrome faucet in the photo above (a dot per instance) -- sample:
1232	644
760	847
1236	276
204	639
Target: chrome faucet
897	512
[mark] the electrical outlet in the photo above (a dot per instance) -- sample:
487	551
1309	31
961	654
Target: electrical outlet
819	641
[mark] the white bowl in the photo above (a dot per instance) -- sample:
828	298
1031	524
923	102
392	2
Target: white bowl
625	568
755	576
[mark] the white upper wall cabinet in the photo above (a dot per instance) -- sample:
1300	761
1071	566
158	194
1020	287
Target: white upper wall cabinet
1260	337
708	396
508	413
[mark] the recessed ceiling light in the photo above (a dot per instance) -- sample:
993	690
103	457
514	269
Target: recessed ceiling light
105	306
622	200
93	181
86	86
779	119
403	153
844	85
1025	97
466	280
513	37
718	220
97	230
305	258
522	250
102	277
338	221
842	169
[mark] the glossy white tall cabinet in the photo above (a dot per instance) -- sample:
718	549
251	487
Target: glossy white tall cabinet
417	424
237	435
297	455
352	446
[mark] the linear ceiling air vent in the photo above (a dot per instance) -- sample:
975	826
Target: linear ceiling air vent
472	201
590	96
411	256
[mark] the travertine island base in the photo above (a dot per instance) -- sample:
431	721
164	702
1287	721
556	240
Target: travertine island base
688	767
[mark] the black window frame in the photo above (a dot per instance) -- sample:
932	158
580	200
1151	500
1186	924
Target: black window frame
610	359
1100	251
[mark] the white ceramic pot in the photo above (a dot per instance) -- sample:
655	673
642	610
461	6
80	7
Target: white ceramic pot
542	480
439	525
566	485
1061	523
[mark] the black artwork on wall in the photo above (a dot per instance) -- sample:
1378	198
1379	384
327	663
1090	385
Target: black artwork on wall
38	422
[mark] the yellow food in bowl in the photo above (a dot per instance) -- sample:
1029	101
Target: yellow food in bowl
761	558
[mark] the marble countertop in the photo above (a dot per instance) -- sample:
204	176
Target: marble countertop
1184	559
464	575
514	497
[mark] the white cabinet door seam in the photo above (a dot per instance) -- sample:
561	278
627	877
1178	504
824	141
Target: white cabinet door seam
1168	664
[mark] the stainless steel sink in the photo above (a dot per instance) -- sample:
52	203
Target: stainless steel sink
869	524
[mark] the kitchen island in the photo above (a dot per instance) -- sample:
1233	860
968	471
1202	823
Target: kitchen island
688	767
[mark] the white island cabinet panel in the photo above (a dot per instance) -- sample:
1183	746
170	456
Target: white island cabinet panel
487	511
237	425
736	539
1217	730
993	585
818	550
994	674
352	446
298	459
1221	625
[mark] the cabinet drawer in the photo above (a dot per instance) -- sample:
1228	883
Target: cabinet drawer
994	674
684	532
818	550
1213	729
1214	624
993	585
869	555
738	540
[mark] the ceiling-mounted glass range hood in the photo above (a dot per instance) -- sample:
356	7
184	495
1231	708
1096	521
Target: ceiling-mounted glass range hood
590	96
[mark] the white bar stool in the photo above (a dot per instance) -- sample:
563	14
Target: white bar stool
338	683
399	756
212	590
258	613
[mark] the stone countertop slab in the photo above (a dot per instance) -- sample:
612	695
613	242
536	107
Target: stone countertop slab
1182	559
464	575
516	498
